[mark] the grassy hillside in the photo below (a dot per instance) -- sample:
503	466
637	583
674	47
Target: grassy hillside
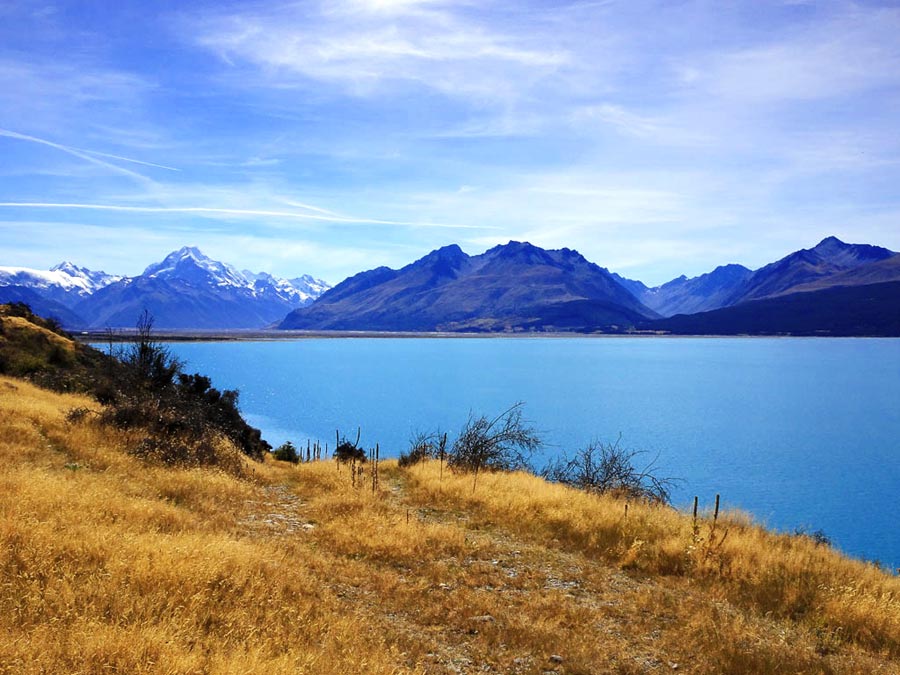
110	563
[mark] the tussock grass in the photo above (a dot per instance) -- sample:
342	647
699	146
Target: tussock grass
110	564
767	574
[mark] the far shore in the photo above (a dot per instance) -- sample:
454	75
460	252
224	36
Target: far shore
274	335
261	335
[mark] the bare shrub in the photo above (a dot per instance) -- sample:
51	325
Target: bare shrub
502	443
424	446
608	468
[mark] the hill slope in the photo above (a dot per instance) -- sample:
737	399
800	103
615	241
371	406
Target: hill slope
513	287
42	305
112	563
108	564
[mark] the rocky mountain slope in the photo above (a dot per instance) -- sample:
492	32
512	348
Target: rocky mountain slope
831	263
513	287
824	261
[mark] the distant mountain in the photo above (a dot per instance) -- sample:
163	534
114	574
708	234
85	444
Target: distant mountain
860	310
65	284
512	287
686	296
829	263
828	258
877	272
308	287
834	288
43	306
187	289
636	288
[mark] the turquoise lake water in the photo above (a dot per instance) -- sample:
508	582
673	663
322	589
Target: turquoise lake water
802	433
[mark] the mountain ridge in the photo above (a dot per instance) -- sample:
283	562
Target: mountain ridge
513	287
507	288
731	284
186	289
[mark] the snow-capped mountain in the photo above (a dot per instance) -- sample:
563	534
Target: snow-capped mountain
53	292
186	289
190	264
65	283
266	285
307	285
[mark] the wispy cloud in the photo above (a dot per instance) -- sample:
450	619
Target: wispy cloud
664	137
365	46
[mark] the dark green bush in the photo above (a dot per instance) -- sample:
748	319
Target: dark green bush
345	451
142	386
286	452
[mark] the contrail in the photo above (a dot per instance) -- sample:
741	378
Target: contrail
88	155
309	207
133	161
237	212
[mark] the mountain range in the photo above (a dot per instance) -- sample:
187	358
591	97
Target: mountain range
734	284
516	286
186	290
519	287
833	288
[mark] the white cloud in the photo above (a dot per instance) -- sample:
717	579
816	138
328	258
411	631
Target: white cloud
363	47
662	137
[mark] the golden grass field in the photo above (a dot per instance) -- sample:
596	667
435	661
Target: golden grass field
111	565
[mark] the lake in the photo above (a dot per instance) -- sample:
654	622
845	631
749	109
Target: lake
802	433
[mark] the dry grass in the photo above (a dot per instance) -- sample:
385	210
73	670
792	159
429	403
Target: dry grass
111	565
14	325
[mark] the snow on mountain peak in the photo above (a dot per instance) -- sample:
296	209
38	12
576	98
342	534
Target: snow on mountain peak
190	264
69	268
190	252
63	278
68	284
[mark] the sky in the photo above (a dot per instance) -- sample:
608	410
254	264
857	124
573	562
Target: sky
658	138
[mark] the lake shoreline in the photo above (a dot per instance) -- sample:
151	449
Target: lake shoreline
257	335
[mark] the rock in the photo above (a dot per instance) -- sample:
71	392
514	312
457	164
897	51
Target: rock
556	658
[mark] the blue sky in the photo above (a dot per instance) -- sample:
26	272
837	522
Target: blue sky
657	138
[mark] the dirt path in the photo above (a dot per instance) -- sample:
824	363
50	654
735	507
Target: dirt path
502	602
